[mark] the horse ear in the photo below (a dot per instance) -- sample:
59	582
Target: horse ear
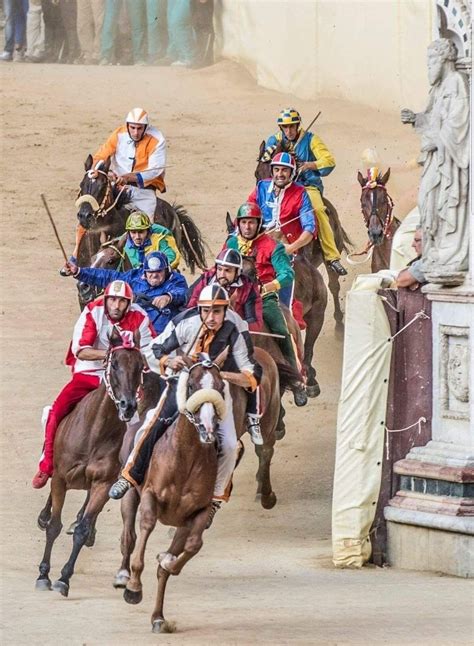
229	223
88	163
106	165
115	338
262	150
361	179
136	338
385	178
220	359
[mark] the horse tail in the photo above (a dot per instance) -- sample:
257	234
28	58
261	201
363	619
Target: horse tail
343	242
193	246
289	377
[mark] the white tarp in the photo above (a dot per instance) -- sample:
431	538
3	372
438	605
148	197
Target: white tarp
361	419
402	251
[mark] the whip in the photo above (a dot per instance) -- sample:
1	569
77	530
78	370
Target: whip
54	227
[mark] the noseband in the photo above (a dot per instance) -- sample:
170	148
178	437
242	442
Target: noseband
108	367
99	210
387	223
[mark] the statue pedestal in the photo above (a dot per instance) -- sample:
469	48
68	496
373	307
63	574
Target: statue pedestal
430	520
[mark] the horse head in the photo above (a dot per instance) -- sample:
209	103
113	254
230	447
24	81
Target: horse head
123	371
109	256
376	204
201	395
249	269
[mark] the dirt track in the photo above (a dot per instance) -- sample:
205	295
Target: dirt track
262	576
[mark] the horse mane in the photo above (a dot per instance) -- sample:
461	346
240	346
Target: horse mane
193	246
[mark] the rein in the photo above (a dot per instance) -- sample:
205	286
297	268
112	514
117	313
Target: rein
100	210
387	224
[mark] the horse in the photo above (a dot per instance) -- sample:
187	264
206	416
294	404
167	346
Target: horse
180	481
341	238
102	214
311	291
87	448
377	209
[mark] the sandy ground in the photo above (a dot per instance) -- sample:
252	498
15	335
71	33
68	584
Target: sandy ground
262	576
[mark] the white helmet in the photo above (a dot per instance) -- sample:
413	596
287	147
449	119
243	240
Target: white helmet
213	295
137	115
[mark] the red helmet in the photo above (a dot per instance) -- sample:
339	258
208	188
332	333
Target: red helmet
249	210
119	289
284	159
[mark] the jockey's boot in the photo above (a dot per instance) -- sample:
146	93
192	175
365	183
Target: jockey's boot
40	480
119	488
253	427
215	506
336	266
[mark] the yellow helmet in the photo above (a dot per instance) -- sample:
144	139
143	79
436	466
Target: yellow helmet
289	116
137	221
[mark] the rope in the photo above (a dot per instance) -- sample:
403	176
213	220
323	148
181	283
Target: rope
419	315
419	422
369	250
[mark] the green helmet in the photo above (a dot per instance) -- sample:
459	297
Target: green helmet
249	210
137	221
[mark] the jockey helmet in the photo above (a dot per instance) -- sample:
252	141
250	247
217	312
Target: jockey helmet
213	295
138	221
249	210
119	289
137	115
230	258
156	261
288	116
284	159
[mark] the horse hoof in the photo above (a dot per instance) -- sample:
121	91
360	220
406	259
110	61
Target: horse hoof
313	391
280	433
121	579
132	597
60	586
72	527
42	584
300	397
91	538
157	626
268	502
42	523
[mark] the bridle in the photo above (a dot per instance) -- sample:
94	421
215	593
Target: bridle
106	205
108	366
387	223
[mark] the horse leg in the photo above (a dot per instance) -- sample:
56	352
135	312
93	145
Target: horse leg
53	529
98	498
314	320
173	565
128	508
45	514
148	515
335	288
80	514
264	488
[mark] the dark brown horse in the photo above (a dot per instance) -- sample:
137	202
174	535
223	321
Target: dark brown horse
102	214
342	240
311	291
87	449
180	482
377	209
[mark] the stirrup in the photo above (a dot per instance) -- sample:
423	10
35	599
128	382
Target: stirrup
255	432
336	266
215	506
119	488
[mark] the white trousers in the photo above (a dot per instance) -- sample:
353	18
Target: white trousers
144	199
34	31
227	436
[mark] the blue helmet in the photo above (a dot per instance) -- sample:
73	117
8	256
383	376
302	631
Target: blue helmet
156	261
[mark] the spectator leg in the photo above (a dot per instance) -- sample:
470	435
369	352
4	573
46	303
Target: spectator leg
136	14
180	32
157	38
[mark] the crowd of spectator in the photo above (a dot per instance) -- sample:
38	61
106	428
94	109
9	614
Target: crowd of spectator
109	32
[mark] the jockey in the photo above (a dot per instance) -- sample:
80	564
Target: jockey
86	356
245	298
273	267
210	328
144	237
314	162
138	159
161	291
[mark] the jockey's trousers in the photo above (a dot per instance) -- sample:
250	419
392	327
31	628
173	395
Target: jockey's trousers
276	323
72	393
148	434
325	232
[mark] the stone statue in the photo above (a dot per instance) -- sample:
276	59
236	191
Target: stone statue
443	197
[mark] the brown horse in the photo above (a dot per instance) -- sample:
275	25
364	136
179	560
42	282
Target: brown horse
103	214
377	209
87	449
311	290
180	481
342	240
